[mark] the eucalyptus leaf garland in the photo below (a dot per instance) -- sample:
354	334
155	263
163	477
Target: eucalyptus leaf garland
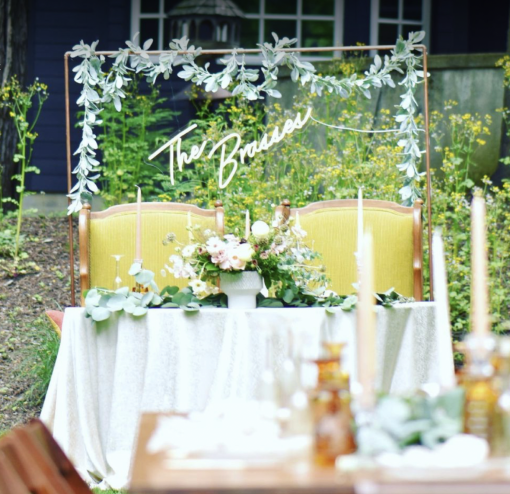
100	87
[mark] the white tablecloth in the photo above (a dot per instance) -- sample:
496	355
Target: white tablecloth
107	375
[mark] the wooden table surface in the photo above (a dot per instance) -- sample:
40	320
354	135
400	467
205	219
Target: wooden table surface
151	475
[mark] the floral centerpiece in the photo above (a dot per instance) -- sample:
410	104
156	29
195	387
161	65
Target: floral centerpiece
277	253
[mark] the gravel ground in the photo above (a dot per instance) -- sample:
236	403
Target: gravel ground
23	300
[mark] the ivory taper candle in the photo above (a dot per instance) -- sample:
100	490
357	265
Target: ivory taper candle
138	243
360	226
479	285
366	331
190	233
298	223
445	370
247	227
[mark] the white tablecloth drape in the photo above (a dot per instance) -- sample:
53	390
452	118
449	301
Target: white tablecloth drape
107	374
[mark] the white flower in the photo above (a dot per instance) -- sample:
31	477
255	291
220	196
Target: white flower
189	250
245	252
235	261
260	230
214	245
197	286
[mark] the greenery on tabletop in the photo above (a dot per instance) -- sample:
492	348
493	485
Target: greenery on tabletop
100	88
398	422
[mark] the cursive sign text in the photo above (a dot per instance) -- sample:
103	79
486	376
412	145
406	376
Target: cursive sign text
227	158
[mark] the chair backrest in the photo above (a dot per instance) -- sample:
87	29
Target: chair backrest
31	461
112	232
10	481
397	231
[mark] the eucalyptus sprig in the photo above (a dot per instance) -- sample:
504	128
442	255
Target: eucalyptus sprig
99	87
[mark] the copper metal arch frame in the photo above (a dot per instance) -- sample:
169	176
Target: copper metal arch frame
423	48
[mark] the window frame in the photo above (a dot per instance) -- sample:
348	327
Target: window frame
336	18
375	20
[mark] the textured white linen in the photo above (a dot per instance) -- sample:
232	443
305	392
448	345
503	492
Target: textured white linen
106	376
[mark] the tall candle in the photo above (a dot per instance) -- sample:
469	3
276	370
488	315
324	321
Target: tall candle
479	286
366	332
360	225
138	244
190	233
298	223
445	370
247	226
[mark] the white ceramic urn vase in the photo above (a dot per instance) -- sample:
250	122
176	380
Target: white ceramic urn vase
241	288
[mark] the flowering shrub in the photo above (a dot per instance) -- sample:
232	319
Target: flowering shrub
19	101
277	253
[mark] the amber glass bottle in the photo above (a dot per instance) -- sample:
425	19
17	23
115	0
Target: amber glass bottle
500	438
331	409
478	382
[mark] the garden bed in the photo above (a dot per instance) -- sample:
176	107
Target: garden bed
27	341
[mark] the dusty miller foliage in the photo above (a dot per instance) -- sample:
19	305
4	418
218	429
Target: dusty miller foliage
100	87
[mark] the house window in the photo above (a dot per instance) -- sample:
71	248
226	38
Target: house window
392	18
148	17
314	22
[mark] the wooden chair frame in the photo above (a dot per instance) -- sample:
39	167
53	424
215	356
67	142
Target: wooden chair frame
285	211
86	215
31	461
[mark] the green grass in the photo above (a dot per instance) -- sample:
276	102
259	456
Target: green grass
39	360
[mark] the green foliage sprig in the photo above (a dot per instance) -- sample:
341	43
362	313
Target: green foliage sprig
399	422
19	101
128	136
89	73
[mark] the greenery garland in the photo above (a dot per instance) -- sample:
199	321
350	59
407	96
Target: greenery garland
100	87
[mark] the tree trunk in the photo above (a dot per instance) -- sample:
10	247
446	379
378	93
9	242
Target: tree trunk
13	51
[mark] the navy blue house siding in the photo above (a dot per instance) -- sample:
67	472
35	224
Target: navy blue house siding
55	26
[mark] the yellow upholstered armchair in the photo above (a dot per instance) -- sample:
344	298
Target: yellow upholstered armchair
397	231
104	234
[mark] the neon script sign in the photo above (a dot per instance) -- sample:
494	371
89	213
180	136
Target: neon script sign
227	158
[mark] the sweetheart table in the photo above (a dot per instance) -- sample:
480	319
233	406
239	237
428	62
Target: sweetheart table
106	375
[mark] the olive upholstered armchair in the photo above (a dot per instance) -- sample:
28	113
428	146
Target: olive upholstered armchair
104	234
331	228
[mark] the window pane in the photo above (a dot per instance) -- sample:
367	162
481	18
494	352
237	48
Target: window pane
248	6
249	33
409	28
149	6
317	33
149	28
412	10
388	34
170	4
279	7
319	7
281	28
388	9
